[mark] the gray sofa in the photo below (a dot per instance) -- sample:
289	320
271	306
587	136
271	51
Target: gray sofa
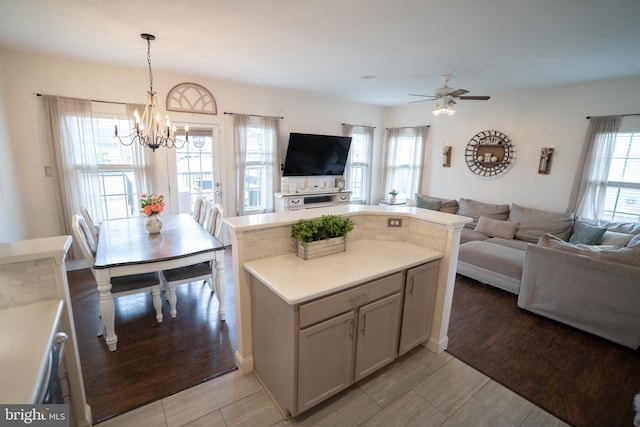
538	255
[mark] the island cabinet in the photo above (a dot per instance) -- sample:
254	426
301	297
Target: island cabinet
307	349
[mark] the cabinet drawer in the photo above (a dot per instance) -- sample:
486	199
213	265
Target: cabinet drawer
333	305
343	198
294	201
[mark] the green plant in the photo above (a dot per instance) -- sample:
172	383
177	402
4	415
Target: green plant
325	227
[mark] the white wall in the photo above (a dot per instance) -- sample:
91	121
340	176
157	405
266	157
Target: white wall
553	117
12	223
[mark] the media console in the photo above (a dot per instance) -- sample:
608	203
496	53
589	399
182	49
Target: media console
315	199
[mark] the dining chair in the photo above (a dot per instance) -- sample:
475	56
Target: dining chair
93	228
121	285
212	222
199	208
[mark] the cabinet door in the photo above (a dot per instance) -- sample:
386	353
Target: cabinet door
325	354
378	328
419	298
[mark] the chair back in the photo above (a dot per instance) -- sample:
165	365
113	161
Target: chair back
218	221
199	209
82	234
87	218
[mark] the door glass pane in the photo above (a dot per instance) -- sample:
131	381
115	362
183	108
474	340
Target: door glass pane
194	165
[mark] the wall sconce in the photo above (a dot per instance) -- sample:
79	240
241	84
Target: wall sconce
545	160
446	156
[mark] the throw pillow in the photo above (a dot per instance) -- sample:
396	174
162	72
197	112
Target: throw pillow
536	222
427	203
496	228
614	238
587	234
475	209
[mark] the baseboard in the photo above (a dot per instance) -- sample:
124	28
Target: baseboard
245	366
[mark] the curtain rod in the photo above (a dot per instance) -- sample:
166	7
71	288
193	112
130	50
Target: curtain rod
91	100
410	127
362	126
253	115
618	115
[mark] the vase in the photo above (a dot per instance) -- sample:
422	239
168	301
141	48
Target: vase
392	199
153	224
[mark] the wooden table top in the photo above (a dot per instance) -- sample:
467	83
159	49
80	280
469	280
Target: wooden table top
127	242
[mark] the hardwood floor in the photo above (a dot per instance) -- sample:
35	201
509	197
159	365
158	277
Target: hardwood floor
578	377
153	360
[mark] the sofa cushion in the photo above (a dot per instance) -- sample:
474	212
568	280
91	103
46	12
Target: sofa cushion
614	238
448	206
496	227
627	255
515	244
427	203
468	235
587	234
497	258
475	209
534	223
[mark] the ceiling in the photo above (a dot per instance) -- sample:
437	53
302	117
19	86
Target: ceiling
369	51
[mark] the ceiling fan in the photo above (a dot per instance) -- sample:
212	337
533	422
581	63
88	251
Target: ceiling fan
446	97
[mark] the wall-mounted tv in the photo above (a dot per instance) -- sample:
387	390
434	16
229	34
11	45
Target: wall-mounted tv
315	155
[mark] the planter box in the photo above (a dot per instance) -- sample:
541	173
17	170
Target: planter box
322	247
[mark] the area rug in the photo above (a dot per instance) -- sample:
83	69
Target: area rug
580	378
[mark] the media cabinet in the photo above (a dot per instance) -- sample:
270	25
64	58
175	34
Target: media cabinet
314	199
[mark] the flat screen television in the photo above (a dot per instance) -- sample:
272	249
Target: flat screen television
316	155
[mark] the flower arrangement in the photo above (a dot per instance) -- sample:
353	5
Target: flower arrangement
152	204
393	192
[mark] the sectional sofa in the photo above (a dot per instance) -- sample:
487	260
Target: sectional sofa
582	273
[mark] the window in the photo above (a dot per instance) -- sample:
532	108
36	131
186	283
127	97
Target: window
405	148
256	140
622	197
357	173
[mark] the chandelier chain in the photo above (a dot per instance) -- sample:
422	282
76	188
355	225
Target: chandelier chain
149	62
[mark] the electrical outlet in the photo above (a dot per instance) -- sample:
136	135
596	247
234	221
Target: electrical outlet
394	222
47	171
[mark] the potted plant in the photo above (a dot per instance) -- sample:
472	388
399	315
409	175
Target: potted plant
321	236
393	193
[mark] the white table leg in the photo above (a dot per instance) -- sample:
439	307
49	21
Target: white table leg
219	281
157	302
107	308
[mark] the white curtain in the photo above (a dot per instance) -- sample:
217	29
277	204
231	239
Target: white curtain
590	183
71	142
403	161
267	160
143	171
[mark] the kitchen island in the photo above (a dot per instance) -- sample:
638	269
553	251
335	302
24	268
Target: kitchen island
255	237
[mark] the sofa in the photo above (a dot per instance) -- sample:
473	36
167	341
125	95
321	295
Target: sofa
585	274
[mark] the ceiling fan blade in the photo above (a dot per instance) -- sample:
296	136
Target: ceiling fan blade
424	96
420	100
457	92
475	98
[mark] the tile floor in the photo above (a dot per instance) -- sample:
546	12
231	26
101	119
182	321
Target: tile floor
419	389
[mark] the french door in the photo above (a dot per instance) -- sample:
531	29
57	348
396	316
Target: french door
196	169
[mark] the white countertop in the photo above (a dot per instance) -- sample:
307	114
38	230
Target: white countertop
268	220
27	333
297	280
25	250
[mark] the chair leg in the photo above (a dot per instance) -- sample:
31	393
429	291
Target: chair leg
170	292
157	302
100	327
219	282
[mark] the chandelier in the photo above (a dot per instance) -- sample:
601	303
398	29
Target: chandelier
149	130
444	106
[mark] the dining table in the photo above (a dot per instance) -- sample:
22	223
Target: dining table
125	247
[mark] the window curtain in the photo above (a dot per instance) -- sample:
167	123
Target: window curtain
590	183
403	160
71	142
269	162
348	130
143	170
